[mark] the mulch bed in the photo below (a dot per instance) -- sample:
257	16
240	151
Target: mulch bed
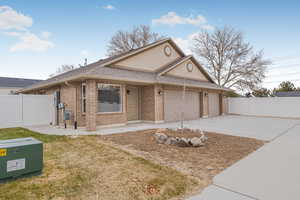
220	151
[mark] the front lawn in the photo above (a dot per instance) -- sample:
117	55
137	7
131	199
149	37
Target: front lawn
12	133
86	168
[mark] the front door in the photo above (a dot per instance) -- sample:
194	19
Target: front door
132	103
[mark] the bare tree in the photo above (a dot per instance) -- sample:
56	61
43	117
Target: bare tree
229	60
63	69
124	41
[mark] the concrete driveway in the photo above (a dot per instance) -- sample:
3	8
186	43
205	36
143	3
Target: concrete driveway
270	173
254	127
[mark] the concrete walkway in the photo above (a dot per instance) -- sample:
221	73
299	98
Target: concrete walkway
270	173
253	127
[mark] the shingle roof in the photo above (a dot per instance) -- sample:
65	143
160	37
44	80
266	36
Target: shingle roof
100	70
17	82
288	94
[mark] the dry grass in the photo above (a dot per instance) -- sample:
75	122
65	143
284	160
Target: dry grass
86	168
220	152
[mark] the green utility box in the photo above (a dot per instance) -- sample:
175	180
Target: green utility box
20	157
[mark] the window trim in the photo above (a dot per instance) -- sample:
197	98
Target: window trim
83	98
121	99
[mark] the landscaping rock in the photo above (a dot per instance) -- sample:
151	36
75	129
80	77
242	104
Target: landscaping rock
203	137
183	142
196	142
161	138
171	141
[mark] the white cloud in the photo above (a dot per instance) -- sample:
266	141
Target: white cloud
16	25
186	44
46	34
84	52
109	7
11	19
29	41
171	18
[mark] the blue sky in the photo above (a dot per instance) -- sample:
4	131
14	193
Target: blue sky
36	37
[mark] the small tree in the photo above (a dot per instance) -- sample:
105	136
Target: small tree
63	69
229	60
124	41
286	86
262	92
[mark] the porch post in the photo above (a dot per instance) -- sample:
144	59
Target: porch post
204	102
158	104
91	105
221	104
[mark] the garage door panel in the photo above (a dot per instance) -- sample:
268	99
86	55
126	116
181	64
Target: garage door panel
213	104
173	105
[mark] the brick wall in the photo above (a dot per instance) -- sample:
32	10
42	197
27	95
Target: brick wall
91	105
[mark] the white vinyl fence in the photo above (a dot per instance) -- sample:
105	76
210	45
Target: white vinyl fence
265	106
25	110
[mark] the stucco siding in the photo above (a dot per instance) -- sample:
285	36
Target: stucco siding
149	60
182	72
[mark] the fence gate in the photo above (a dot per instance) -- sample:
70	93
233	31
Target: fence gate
26	110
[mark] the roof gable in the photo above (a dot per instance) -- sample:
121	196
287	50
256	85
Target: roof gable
151	59
179	69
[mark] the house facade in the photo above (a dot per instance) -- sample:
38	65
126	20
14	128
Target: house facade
142	85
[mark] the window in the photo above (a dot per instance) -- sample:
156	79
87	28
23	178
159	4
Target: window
109	98
83	97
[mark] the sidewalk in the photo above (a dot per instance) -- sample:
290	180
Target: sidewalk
270	173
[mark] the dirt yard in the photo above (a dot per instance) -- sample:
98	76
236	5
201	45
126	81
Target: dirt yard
84	167
220	151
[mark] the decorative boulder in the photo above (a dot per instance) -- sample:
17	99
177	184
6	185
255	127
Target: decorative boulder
203	137
183	142
161	138
171	141
196	142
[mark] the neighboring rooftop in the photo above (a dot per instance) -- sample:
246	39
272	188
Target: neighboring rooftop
288	94
17	82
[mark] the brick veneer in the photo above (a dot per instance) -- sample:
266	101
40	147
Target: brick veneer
91	105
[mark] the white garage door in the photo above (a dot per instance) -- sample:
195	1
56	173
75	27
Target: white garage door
213	104
173	105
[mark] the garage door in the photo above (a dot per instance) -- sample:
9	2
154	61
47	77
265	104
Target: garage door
213	104
173	105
